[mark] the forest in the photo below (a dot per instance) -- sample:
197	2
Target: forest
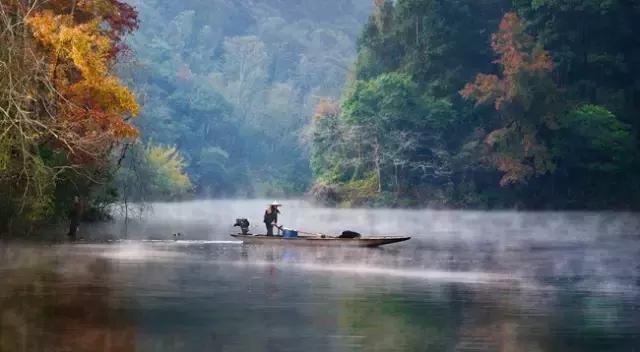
146	100
487	104
232	84
529	104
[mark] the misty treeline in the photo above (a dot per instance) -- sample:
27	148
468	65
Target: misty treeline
231	85
471	103
221	90
487	103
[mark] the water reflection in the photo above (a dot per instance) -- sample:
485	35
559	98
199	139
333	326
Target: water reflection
437	293
55	305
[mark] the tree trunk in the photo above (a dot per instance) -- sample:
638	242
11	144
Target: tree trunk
395	166
376	161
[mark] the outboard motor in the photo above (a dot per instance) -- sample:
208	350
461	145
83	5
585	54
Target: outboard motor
243	224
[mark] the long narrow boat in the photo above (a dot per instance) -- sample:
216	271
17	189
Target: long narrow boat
304	240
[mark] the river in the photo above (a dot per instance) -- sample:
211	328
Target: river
466	281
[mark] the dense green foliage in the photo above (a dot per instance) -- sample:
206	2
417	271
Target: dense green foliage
471	103
231	84
490	103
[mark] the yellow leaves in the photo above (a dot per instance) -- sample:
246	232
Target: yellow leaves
109	95
83	44
96	102
88	49
121	95
169	166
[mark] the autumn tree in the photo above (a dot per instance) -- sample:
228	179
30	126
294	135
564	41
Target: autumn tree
541	114
523	96
62	108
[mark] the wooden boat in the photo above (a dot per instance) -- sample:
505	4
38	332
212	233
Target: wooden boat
321	240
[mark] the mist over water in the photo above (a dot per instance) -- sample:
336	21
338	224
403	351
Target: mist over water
518	244
213	219
467	281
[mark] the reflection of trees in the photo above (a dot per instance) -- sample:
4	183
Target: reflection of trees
451	318
70	305
394	322
595	322
502	320
448	319
42	309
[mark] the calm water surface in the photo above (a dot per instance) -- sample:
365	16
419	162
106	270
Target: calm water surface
467	281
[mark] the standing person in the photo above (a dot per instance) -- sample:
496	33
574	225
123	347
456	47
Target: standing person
74	218
271	217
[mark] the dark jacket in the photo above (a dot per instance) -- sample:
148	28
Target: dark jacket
75	212
271	215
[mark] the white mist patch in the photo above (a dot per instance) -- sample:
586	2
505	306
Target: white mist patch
213	220
190	242
464	277
139	253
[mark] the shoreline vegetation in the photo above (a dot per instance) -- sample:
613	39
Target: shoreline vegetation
65	115
489	104
466	104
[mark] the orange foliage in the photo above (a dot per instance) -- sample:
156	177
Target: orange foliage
521	161
516	153
514	170
326	108
117	16
485	88
516	48
517	55
95	104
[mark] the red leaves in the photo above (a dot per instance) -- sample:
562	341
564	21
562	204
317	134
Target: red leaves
517	50
516	151
486	88
90	131
117	18
517	56
509	42
122	19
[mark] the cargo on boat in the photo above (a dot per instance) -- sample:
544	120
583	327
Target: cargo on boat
320	240
301	238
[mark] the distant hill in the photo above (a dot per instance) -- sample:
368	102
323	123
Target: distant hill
233	83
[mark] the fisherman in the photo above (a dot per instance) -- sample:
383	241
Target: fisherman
271	217
74	218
